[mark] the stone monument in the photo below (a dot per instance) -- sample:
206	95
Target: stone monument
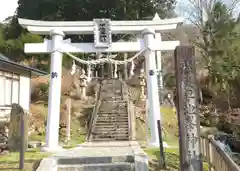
14	137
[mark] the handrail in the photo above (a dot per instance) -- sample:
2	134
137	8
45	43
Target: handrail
94	113
217	159
131	121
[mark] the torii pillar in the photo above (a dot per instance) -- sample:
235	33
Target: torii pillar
158	37
54	98
152	86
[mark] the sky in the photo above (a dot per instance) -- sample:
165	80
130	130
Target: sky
7	8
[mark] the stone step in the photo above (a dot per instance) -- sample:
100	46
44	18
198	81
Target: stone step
119	123
114	116
110	138
111	128
110	98
117	116
112	122
99	167
106	113
111	108
95	159
110	132
113	112
114	102
100	126
108	119
121	102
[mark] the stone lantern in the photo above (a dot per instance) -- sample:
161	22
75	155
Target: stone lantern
83	84
142	85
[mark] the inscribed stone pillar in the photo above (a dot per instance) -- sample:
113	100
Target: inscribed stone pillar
14	137
187	109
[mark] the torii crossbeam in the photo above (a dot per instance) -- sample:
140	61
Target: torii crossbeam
102	30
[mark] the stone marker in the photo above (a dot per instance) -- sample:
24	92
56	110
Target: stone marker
187	109
14	137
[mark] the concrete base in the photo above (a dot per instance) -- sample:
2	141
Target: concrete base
153	144
112	154
156	144
52	150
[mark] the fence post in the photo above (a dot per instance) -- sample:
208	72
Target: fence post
210	158
68	132
162	156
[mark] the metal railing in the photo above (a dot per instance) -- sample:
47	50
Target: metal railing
130	110
217	159
94	112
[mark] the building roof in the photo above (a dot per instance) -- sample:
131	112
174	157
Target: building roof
34	71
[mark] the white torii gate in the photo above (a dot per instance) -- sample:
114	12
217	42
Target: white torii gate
101	28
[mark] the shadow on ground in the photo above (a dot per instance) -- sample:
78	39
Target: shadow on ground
172	161
30	165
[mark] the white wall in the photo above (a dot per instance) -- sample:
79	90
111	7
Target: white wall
24	94
24	98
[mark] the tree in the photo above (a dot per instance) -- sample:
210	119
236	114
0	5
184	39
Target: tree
13	38
88	9
198	11
221	47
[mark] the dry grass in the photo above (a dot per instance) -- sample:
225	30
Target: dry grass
171	158
170	125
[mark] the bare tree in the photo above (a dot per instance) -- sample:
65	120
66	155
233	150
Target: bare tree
198	11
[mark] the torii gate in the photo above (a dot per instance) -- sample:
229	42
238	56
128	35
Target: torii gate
102	30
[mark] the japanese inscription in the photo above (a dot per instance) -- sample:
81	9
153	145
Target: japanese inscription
151	72
102	33
189	124
54	74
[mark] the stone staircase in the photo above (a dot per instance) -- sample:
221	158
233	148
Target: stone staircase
111	119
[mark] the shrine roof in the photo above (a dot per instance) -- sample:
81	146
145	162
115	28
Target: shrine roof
6	63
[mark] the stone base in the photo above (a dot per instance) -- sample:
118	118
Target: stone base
53	150
153	144
156	144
